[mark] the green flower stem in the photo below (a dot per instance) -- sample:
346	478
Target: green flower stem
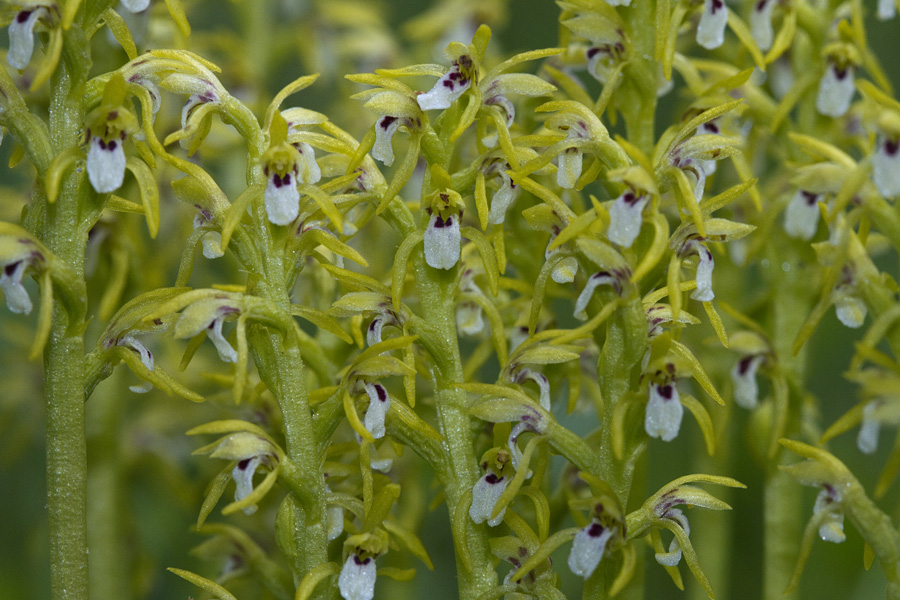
782	498
458	471
65	234
640	80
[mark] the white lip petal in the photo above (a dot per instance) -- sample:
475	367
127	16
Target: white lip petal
704	291
501	200
382	150
282	199
309	168
887	9
867	440
442	241
588	548
569	168
106	165
17	298
886	167
379	403
835	91
743	379
243	481
593	282
485	494
711	29
21	37
625	218
226	352
357	579
850	310
761	23
664	412
801	218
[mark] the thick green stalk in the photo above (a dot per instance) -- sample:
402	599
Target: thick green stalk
64	363
459	470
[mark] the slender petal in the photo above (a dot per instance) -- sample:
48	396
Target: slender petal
502	198
569	168
704	291
595	280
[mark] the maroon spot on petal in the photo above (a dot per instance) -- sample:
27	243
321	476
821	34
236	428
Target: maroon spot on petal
10	268
111	145
809	197
448	84
592	52
381	392
711	127
243	464
630	198
157	321
266	170
448	222
112	115
665	391
276	180
454	75
761	5
23	16
492	478
840	73
439	222
891	147
286	180
744	364
716	5
595	530
385	122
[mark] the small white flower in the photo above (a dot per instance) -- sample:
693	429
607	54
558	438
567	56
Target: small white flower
886	166
711	29
357	579
835	90
664	412
588	548
11	273
379	403
743	379
485	494
442	241
449	87
565	270
887	9
867	441
21	36
831	528
209	315
761	23
850	310
625	218
801	218
595	280
106	164
334	520
540	379
242	473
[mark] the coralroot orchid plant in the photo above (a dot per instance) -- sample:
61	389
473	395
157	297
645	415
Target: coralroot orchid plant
458	302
